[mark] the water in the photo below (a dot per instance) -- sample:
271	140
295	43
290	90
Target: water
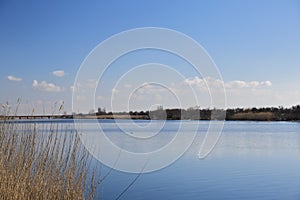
252	160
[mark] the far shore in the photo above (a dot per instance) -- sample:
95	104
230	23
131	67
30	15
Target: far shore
236	114
175	114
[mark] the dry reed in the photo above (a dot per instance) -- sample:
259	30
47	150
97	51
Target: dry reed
47	162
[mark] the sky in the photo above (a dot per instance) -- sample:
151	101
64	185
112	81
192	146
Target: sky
254	44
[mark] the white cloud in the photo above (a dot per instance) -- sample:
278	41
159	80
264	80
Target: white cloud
217	83
268	83
58	73
190	92
13	78
44	86
205	83
243	84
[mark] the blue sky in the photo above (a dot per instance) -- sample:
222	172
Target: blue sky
250	41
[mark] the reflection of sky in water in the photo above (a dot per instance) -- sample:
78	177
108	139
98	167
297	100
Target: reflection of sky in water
147	138
237	137
259	138
252	160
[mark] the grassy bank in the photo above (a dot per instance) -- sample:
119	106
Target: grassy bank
43	163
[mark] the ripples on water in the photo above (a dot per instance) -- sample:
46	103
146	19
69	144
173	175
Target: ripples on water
252	160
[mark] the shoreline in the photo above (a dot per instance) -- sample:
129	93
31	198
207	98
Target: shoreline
237	114
123	117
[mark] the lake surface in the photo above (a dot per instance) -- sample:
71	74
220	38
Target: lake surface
252	160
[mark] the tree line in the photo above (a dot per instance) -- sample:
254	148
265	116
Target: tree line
258	114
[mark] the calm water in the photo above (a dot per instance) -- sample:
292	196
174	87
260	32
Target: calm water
252	160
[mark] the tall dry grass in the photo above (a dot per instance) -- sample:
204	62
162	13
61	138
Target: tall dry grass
46	162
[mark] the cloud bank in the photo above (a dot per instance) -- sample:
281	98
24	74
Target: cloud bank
204	83
44	86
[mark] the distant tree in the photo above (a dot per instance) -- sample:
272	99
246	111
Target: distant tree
255	110
101	111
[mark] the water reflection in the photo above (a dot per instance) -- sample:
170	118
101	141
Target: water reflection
252	160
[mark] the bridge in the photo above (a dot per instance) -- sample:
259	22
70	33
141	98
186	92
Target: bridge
22	117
